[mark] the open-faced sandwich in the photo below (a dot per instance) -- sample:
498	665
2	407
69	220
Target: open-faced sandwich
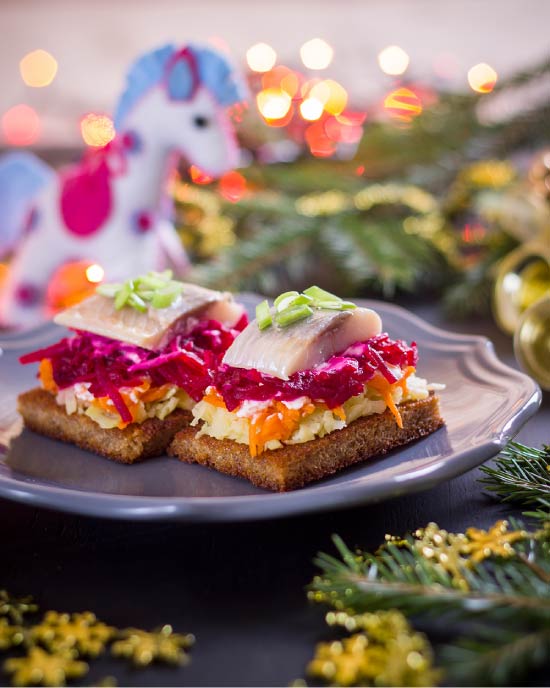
309	387
143	353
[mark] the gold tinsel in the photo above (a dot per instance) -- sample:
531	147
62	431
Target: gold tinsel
143	647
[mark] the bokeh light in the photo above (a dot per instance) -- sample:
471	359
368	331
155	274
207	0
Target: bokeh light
232	186
333	96
311	109
261	57
95	273
72	282
316	54
320	145
393	60
21	125
273	103
482	78
198	176
38	68
403	104
97	130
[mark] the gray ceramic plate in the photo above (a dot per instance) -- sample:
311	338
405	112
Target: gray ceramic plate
484	405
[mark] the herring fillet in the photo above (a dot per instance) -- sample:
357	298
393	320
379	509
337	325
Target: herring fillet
154	328
282	351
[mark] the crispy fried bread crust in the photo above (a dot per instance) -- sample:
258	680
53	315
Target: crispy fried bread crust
295	465
136	442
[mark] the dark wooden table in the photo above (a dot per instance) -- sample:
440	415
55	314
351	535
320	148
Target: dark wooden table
238	587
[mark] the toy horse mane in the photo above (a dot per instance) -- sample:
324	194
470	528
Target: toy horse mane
181	71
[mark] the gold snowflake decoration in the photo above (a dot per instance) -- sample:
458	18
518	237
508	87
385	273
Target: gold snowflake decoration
403	660
15	608
445	549
39	668
497	541
143	647
81	632
10	635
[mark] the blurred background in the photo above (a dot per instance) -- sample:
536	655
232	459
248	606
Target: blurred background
389	148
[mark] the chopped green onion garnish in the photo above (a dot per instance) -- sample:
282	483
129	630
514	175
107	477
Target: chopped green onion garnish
292	315
348	305
109	290
137	302
122	295
166	297
282	297
156	288
263	315
318	294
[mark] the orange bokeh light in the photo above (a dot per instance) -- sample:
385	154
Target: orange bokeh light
21	125
482	78
97	130
73	282
320	145
38	68
333	96
403	104
232	186
198	176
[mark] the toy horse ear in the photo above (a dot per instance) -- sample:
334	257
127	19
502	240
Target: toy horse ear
182	78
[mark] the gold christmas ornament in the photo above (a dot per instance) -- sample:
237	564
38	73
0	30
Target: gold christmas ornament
523	278
532	341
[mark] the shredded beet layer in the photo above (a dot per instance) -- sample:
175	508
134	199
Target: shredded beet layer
187	361
332	383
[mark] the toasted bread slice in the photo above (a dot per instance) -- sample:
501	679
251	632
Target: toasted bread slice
136	442
295	465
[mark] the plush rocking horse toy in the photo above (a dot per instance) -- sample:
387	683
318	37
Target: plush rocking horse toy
111	208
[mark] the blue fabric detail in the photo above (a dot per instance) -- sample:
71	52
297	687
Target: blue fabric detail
180	81
22	175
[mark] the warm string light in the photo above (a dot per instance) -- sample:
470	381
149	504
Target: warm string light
316	54
273	103
393	60
261	57
482	78
21	125
403	105
97	130
38	68
95	273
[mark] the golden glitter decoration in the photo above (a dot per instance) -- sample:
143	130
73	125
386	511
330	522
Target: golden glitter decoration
40	668
497	541
82	631
445	549
324	203
489	174
10	635
15	608
143	647
385	652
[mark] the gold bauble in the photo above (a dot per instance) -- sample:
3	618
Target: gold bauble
522	279
532	341
539	174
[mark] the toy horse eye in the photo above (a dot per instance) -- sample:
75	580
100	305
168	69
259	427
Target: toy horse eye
201	121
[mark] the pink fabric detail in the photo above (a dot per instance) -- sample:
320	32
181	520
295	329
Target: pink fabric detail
86	200
27	294
187	55
144	221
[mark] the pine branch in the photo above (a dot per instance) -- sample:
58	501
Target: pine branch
492	585
496	658
521	474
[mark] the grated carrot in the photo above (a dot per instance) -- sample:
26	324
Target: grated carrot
45	374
